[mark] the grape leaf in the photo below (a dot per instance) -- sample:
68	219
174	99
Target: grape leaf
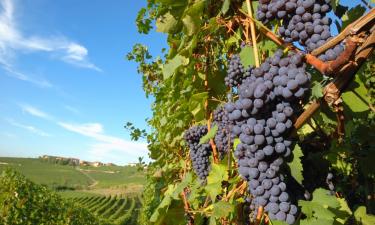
247	56
236	142
296	167
222	209
356	96
211	134
278	222
316	90
315	221
361	216
172	65
180	187
225	7
218	174
324	209
196	106
160	210
352	15
166	23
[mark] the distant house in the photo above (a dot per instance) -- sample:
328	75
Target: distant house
96	164
132	164
83	163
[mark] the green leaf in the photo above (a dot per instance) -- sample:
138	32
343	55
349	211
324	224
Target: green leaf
324	209
351	15
225	7
247	56
334	4
218	174
356	96
236	141
213	190
222	209
166	23
165	203
180	187
361	216
323	198
211	134
278	222
191	24
196	106
315	221
172	65
296	167
316	90
267	46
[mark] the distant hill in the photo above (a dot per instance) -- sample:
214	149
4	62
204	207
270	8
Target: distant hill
108	180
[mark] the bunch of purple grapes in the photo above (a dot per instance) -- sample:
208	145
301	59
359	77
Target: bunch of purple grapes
277	77
199	153
261	118
236	72
260	154
223	137
304	21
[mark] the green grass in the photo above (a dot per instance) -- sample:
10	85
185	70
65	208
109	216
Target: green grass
52	175
109	176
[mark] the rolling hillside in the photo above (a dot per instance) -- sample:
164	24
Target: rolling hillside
79	181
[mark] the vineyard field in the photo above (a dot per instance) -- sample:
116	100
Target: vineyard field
117	210
79	181
46	173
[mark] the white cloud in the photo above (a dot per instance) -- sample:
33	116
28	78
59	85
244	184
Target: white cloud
107	145
34	111
29	128
12	41
21	76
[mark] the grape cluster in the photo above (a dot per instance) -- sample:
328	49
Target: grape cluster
199	153
260	155
330	183
223	137
277	77
236	72
304	21
262	119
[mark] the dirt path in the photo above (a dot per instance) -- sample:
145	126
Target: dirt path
94	182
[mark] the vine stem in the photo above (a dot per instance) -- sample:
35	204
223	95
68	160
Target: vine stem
330	67
240	188
253	34
186	202
271	35
259	215
212	143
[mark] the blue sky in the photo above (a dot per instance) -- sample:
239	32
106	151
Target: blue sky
65	86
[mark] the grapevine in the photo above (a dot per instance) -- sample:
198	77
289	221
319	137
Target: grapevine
270	117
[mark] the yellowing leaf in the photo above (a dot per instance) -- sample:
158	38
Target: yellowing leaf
172	65
166	23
